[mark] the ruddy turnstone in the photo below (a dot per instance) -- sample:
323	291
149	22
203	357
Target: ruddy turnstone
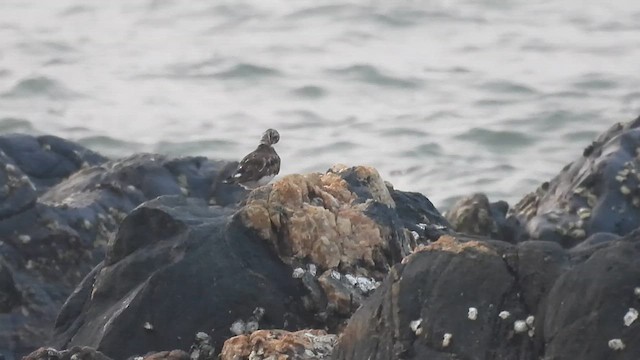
260	165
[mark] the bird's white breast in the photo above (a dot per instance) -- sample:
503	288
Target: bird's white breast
265	180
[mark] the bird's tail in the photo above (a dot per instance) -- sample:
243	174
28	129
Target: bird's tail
232	170
233	179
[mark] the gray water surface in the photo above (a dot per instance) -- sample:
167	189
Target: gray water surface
442	97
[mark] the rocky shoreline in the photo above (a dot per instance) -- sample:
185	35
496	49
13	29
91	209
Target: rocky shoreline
151	257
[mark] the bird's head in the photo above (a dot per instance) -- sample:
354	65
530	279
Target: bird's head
270	137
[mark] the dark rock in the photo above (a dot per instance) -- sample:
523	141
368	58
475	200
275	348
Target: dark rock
426	300
345	225
596	239
46	160
59	205
202	349
597	193
585	309
559	306
10	296
75	353
175	263
475	215
178	263
419	215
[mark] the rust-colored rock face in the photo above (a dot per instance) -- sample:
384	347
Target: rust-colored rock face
168	355
599	192
342	226
317	218
451	244
279	345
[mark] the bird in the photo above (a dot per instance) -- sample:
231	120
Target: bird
259	166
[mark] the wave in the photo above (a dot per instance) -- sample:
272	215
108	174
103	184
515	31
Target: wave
14	125
498	140
371	75
39	86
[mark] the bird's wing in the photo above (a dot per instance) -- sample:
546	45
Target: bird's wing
275	163
256	165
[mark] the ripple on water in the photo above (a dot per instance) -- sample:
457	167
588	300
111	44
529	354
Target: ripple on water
493	102
401	18
59	61
39	86
11	124
423	150
566	94
546	121
183	148
302	119
595	82
44	47
402	132
448	70
507	87
371	75
335	147
497	140
196	67
77	130
111	147
443	115
405	171
582	137
247	71
76	10
322	11
210	69
309	92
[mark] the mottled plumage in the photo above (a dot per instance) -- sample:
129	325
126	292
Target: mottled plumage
259	166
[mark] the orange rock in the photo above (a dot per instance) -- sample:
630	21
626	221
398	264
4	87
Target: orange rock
168	355
317	218
279	345
451	244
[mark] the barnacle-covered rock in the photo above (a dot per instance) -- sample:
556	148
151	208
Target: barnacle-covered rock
177	267
344	222
59	205
300	253
74	353
597	193
532	300
475	215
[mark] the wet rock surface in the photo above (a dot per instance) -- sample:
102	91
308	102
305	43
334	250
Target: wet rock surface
591	311
74	353
555	277
475	215
45	160
597	193
59	204
302	252
172	266
465	299
340	232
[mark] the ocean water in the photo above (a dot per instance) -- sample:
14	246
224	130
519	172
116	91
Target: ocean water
443	97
